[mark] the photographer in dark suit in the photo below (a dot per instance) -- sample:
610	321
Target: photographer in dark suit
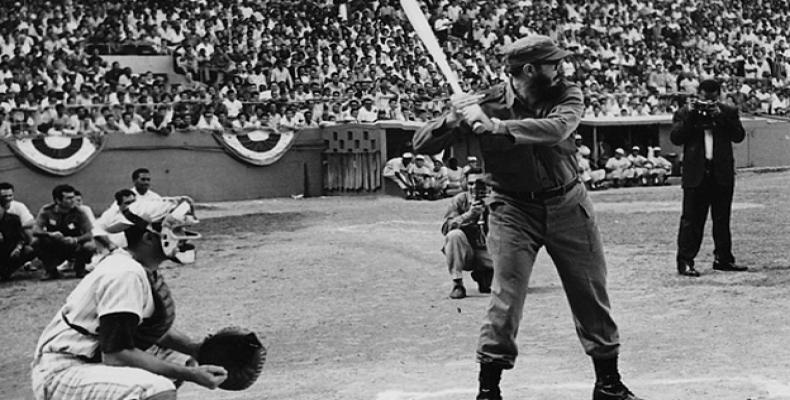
706	129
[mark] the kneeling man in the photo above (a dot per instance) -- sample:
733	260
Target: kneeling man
464	230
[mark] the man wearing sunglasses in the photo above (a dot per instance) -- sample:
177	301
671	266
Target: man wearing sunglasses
523	128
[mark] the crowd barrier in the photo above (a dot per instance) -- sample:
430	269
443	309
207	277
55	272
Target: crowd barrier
338	159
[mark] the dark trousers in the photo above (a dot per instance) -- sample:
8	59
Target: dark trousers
10	264
52	253
696	202
566	226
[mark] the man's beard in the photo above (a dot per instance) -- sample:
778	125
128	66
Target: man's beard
541	87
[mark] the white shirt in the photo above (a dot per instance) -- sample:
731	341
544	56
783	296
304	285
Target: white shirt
708	144
117	284
20	210
149	195
233	106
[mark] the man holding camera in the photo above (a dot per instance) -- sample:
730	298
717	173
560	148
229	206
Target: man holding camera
464	231
706	129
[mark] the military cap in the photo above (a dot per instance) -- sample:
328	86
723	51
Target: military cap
533	49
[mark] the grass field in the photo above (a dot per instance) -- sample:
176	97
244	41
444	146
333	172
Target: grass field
350	294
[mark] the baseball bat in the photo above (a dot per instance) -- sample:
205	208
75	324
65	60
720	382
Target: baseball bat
420	24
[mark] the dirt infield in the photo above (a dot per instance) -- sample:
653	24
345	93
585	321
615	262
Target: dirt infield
351	296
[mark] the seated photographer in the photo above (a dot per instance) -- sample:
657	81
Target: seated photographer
63	232
464	232
660	169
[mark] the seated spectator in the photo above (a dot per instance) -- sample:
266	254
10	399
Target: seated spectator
14	249
592	179
396	170
17	208
638	162
368	113
159	125
456	182
108	241
232	105
209	121
141	178
660	168
62	232
619	169
5	126
128	126
424	178
289	122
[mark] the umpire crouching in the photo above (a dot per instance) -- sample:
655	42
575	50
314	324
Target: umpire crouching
524	130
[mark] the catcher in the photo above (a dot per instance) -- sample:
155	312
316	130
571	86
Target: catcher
114	338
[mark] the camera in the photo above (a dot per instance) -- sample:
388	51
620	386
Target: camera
480	190
704	108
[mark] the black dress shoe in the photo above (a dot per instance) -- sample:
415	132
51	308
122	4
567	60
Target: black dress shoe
686	268
489	394
728	267
612	391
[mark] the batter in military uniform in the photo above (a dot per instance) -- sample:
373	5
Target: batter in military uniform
524	130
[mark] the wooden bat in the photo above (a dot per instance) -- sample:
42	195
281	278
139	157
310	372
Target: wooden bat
420	24
413	12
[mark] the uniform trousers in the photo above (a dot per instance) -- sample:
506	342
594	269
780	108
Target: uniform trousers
59	376
566	226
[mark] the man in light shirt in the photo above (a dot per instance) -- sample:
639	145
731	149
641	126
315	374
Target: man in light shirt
619	169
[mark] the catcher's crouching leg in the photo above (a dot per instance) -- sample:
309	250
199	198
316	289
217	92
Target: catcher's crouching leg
239	351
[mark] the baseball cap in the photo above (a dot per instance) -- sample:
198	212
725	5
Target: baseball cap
533	49
635	148
420	157
577	136
620	151
408	155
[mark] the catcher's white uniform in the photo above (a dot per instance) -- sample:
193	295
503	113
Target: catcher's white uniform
61	369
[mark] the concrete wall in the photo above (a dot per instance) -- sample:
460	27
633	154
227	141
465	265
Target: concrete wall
180	164
143	64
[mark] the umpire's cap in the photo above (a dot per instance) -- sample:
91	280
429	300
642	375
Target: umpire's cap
533	49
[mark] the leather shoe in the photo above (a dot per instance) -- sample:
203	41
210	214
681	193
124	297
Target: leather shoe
686	268
459	292
612	391
489	394
728	267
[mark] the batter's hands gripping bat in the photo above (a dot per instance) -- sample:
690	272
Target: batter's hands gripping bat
413	12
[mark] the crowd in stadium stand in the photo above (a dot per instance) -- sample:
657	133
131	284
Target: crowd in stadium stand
290	64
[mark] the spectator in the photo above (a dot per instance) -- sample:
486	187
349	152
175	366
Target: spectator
619	169
62	232
141	177
209	121
14	251
660	169
638	165
159	125
396	170
128	126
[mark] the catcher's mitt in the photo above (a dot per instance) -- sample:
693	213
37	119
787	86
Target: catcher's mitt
239	351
